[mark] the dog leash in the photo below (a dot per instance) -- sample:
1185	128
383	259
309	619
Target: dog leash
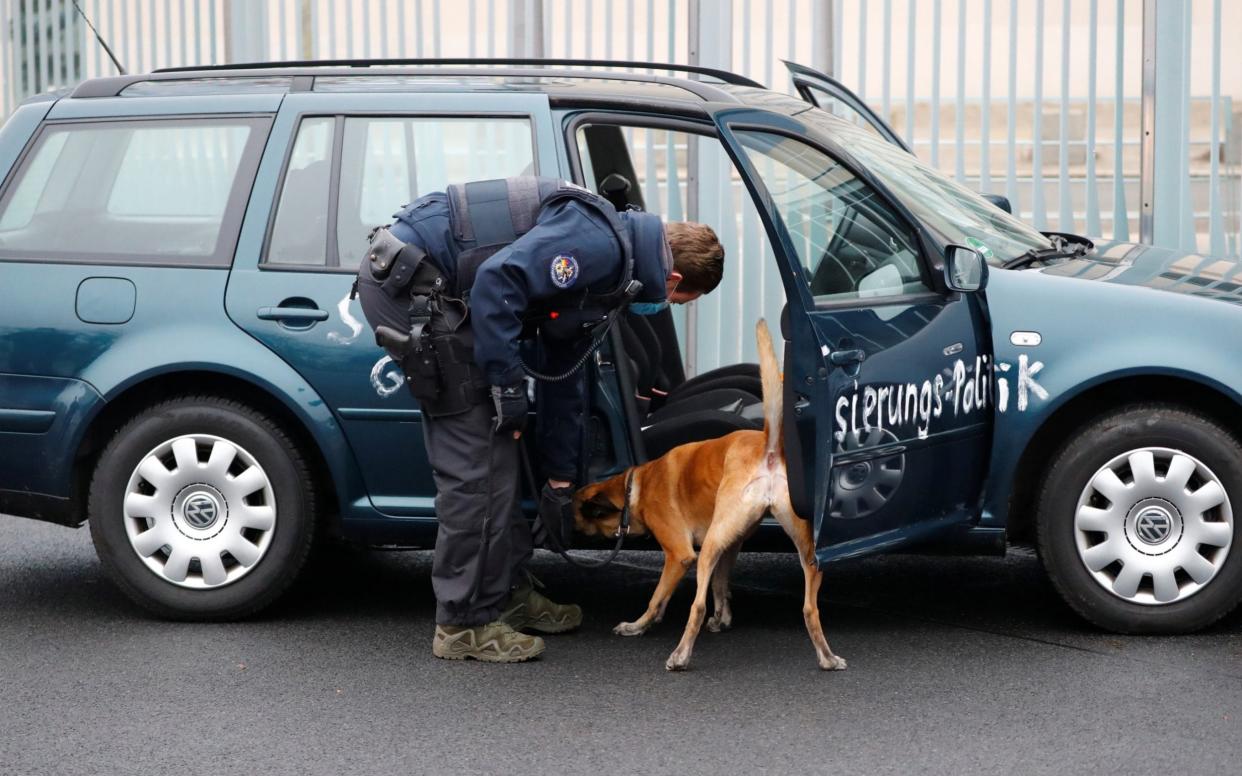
623	528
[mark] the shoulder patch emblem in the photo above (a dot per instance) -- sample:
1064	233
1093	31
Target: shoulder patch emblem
564	270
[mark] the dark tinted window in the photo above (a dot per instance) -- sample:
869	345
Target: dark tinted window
167	191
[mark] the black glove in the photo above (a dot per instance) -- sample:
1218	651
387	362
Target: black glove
555	525
511	407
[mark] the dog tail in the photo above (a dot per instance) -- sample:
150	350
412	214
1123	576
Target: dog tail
773	400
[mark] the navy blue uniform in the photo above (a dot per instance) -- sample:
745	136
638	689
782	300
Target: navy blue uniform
519	280
570	256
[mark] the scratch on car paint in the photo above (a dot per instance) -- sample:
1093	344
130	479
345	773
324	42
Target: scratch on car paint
385	381
347	318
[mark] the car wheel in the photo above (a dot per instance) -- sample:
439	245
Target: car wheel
202	508
1136	523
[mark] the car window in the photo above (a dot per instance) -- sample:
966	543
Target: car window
387	162
661	166
167	191
300	232
852	244
826	101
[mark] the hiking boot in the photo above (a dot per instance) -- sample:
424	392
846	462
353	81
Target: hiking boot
529	609
495	642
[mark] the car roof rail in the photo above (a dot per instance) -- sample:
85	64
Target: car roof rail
721	75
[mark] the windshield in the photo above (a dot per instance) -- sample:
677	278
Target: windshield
956	213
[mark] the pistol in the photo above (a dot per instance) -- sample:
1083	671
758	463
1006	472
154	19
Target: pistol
392	340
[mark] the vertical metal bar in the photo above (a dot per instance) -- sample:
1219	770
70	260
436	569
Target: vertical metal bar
472	26
491	27
1066	217
959	104
168	33
1121	214
282	19
690	353
1039	214
629	30
6	60
96	51
1216	226
746	28
1146	221
1186	213
185	33
1093	196
384	28
211	24
823	48
30	80
54	36
935	98
535	28
672	29
985	103
886	97
862	51
838	51
44	74
313	46
332	29
769	51
608	29
349	31
198	32
911	103
1011	166
792	9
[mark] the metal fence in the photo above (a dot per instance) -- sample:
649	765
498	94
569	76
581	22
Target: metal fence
1115	118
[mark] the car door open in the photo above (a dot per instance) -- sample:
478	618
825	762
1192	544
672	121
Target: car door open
887	373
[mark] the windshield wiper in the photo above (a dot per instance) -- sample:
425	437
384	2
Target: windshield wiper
1061	250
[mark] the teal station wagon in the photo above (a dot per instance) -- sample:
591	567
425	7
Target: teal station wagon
181	365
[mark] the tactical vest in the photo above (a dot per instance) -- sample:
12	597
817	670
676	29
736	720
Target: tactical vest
419	319
485	216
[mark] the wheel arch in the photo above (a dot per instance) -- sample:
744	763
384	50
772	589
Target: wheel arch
153	389
1032	466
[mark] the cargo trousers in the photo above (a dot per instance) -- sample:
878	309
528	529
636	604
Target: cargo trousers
467	496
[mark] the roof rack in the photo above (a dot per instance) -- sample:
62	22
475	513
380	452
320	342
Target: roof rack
721	75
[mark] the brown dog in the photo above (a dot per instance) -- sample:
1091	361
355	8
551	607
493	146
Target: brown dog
712	494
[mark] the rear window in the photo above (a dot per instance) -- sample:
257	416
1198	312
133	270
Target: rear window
161	192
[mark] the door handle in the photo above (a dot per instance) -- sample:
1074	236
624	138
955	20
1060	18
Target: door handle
293	314
847	357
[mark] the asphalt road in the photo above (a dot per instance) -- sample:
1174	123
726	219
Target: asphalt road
956	666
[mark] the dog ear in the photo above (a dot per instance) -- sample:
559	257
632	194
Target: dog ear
599	507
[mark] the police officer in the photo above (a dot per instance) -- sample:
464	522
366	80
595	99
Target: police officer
452	287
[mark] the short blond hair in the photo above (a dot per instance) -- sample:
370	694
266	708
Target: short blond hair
697	255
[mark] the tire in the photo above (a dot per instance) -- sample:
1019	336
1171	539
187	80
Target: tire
1153	524
197	478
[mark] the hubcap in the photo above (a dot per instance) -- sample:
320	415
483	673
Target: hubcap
199	511
1153	526
865	486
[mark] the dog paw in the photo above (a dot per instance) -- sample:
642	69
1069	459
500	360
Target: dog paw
832	663
629	629
678	661
718	624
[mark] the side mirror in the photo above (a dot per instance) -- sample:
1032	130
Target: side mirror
965	269
999	201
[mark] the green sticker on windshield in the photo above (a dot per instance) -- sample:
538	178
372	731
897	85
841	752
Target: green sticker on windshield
983	249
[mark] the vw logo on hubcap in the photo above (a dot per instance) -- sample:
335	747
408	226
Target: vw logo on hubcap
1153	525
200	511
